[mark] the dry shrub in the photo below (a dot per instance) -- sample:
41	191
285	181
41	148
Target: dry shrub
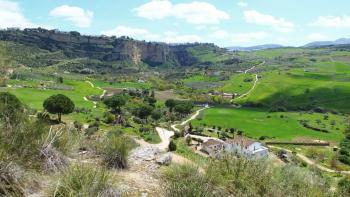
11	180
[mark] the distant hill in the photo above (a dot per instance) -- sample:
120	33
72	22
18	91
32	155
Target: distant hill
108	50
256	48
341	41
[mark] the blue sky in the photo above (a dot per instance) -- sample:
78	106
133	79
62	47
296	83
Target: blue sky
223	22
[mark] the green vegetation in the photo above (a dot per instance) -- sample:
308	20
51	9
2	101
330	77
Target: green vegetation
320	85
82	180
59	104
115	149
274	125
122	84
240	84
241	177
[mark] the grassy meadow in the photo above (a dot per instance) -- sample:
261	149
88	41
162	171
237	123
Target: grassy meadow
325	84
277	126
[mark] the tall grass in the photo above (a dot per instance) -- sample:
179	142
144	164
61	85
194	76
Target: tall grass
186	180
81	181
240	177
115	150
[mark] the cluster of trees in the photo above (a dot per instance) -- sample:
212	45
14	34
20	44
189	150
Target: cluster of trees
181	107
143	110
344	152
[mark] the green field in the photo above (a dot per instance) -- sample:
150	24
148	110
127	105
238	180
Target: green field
137	85
236	84
325	84
34	97
256	123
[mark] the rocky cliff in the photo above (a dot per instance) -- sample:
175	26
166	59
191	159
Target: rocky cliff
75	45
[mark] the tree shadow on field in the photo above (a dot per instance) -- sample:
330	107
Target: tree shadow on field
334	99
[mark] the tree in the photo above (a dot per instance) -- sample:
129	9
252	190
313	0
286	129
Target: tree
59	104
172	146
60	80
115	102
188	140
156	115
10	108
152	101
170	103
145	111
184	107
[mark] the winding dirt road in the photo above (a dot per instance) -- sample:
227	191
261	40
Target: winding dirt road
311	162
194	116
101	96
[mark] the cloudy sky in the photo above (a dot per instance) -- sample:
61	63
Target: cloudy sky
223	22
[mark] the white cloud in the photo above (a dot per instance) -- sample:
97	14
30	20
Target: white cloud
248	37
194	13
242	4
220	34
238	38
279	24
11	16
76	15
333	21
174	37
144	34
126	31
317	37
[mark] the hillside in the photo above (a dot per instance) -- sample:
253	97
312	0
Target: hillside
109	50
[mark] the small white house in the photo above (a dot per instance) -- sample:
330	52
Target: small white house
245	147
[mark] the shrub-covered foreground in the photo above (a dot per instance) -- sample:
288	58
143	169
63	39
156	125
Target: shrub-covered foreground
115	150
240	177
83	180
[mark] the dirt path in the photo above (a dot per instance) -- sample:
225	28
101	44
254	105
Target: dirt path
101	96
255	82
251	89
194	116
311	162
165	136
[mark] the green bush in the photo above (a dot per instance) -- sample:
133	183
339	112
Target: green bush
172	146
81	180
108	118
115	150
186	180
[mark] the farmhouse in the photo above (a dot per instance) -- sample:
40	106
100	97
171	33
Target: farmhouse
212	147
245	147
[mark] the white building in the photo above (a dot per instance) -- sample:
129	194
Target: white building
245	147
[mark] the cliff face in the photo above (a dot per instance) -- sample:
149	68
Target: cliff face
102	48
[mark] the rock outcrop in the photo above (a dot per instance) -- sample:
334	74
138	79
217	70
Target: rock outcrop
103	48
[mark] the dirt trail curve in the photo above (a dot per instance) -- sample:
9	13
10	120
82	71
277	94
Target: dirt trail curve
311	162
194	116
101	96
255	81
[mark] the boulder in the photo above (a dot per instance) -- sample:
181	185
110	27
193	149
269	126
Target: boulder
164	159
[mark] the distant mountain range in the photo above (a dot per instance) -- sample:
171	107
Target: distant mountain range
340	41
255	48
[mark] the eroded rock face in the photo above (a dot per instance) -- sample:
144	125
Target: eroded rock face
95	47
